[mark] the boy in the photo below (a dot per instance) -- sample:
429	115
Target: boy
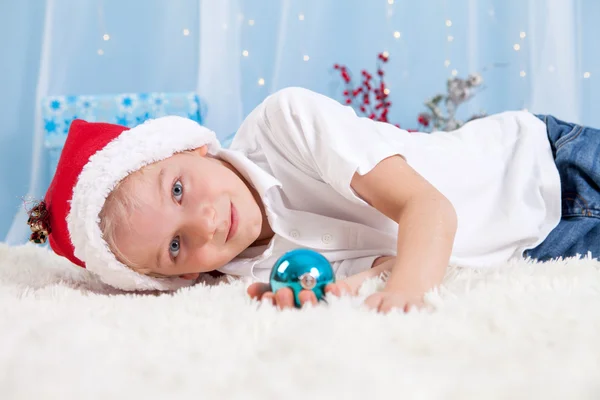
154	207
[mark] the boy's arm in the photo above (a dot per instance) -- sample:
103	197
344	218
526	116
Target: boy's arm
426	228
380	265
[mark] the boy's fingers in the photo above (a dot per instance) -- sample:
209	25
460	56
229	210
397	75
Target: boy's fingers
257	290
374	301
338	288
344	287
334	289
307	296
269	296
284	298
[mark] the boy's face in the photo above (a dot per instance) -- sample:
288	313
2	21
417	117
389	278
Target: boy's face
196	215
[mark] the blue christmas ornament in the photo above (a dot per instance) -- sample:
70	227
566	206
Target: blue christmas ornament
302	269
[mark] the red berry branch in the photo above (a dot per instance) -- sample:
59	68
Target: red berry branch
370	97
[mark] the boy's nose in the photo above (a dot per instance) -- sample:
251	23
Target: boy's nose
203	224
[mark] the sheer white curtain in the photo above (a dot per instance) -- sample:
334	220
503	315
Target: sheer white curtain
219	69
555	57
535	54
530	53
19	231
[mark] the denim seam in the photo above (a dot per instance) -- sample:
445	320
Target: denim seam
589	214
569	138
580	204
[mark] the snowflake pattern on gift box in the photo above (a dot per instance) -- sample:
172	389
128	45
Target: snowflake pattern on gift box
127	109
122	120
158	103
54	106
127	102
85	106
85	103
51	126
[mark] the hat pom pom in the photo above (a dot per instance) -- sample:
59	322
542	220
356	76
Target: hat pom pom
39	222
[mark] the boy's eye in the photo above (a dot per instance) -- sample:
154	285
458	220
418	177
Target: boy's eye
177	191
174	248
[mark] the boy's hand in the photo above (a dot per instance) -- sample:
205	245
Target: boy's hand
284	298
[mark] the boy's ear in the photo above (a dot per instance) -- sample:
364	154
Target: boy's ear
191	277
201	151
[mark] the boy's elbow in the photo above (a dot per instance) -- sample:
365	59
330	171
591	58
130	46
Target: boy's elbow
437	204
448	213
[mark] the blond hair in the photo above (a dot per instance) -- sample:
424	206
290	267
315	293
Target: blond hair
115	212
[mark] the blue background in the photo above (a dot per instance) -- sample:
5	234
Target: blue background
52	48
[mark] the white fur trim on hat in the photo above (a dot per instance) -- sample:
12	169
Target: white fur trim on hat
152	141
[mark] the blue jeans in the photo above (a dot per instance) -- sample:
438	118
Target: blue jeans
576	152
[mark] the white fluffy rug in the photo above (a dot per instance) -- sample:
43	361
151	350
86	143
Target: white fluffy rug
529	331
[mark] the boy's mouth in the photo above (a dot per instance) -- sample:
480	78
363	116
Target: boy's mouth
233	222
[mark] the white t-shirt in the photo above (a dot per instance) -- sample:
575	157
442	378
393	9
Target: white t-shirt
301	149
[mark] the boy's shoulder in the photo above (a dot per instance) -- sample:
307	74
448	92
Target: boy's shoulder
291	98
291	94
268	113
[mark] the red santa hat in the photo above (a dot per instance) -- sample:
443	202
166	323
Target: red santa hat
94	159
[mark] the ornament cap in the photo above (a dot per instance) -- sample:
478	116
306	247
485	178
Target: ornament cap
39	222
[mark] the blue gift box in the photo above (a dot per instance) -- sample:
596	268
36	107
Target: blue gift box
127	109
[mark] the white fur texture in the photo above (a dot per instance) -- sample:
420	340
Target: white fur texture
152	141
522	331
